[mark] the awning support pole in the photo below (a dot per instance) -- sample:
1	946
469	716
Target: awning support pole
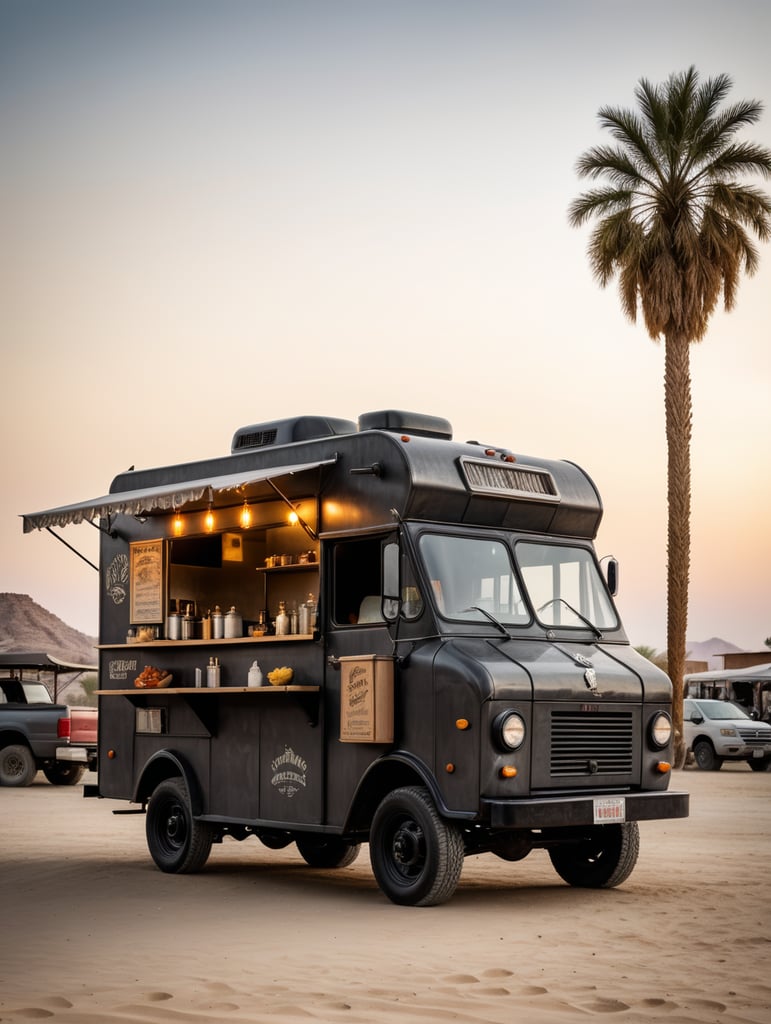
75	550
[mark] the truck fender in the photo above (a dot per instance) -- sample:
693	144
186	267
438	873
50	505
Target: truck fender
392	771
167	764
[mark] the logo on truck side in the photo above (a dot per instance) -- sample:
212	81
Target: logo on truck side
289	772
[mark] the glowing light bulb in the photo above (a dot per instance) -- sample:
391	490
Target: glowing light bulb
178	525
246	516
209	521
294	519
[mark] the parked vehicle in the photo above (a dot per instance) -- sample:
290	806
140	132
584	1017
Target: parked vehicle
444	670
719	730
36	734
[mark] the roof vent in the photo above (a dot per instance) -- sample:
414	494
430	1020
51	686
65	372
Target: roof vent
406	423
289	431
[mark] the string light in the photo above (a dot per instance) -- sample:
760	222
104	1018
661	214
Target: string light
209	521
178	525
246	516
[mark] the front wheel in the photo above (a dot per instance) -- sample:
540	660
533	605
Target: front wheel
760	764
601	857
706	758
327	851
17	766
416	857
177	842
64	773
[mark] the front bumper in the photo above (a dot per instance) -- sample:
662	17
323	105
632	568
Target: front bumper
565	811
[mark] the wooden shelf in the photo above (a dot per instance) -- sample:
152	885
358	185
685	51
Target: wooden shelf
143	691
272	638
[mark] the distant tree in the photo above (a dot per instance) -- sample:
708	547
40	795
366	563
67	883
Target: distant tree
675	225
89	685
767	641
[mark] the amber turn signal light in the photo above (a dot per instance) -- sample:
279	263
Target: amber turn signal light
663	767
462	723
449	768
508	771
111	754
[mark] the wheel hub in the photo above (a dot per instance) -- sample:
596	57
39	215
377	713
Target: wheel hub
409	845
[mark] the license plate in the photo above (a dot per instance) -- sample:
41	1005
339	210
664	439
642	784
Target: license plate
758	752
609	809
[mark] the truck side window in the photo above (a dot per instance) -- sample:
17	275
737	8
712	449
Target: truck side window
357	581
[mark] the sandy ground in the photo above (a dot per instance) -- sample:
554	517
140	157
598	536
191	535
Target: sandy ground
93	932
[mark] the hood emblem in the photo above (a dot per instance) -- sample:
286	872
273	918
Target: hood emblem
590	678
581	660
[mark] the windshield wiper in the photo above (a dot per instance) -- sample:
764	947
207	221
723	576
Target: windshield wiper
492	618
578	615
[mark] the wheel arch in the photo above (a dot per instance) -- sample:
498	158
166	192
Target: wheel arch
386	774
168	764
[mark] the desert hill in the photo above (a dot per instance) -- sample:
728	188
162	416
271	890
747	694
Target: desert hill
26	626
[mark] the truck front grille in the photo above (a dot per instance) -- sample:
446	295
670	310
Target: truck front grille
751	734
596	743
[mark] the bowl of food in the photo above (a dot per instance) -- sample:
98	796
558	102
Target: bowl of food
152	678
280	676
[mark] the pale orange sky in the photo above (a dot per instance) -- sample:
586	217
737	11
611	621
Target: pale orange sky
219	214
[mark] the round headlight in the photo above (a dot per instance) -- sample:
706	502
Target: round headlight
509	728
661	729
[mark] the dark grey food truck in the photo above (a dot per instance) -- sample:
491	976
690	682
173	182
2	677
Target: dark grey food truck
345	633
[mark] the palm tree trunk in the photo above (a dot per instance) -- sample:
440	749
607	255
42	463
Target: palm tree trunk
677	404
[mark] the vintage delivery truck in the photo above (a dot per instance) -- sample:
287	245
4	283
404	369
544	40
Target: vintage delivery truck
451	674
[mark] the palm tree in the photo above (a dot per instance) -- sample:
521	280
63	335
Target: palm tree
675	225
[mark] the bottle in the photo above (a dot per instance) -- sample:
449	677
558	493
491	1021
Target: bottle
255	675
213	672
312	612
217	623
188	624
282	620
293	621
206	626
304	623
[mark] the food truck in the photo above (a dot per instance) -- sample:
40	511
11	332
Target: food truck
367	632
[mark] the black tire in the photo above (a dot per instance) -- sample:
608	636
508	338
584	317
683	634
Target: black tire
177	842
416	857
760	764
327	851
64	773
17	766
706	758
601	858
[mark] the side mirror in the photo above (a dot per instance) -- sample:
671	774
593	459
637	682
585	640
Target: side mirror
611	576
390	580
696	718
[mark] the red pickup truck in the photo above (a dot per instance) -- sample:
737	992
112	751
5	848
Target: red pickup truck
37	733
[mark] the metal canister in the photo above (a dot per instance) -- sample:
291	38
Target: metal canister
234	625
217	624
188	625
174	626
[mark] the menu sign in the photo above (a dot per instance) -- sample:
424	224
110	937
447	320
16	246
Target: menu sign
146	581
366	699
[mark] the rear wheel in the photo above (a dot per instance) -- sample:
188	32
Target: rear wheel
176	841
603	856
706	758
17	766
327	851
416	857
64	773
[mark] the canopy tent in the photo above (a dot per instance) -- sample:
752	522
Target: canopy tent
11	661
164	497
755	673
750	687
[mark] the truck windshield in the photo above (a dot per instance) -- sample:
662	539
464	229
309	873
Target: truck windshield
471	577
565	586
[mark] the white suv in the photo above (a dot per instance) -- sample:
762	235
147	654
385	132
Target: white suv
718	730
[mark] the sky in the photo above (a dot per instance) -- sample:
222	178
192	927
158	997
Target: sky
214	214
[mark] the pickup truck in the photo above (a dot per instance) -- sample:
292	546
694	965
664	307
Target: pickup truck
37	734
